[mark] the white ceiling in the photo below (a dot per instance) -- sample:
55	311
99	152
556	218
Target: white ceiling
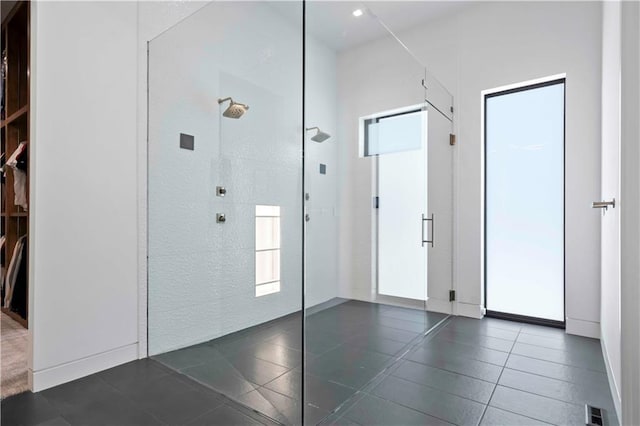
333	23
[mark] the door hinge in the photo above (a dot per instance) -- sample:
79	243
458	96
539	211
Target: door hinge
376	202
452	295
452	139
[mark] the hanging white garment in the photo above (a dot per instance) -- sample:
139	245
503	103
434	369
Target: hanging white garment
20	188
20	177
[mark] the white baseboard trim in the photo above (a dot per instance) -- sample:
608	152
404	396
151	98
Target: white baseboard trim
54	376
612	381
470	310
441	306
583	328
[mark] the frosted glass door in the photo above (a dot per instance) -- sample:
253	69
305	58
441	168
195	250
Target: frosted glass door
524	232
402	183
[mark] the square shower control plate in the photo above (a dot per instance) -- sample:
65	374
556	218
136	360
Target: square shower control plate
187	141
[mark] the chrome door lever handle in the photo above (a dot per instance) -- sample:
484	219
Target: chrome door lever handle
603	204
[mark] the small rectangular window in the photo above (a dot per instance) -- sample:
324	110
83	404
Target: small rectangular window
267	250
386	133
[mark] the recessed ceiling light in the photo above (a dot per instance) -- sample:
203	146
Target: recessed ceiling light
357	12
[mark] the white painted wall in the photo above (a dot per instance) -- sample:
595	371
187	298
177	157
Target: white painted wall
490	45
629	218
83	267
610	291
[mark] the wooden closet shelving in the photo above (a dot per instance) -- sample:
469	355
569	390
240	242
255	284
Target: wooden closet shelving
16	115
14	128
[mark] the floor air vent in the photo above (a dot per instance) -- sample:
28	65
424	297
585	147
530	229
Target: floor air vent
594	416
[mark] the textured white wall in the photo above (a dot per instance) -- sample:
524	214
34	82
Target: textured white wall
158	17
252	159
201	274
84	311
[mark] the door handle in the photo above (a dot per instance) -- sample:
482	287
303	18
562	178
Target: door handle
424	219
603	204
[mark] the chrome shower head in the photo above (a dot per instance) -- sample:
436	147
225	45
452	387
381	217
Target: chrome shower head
235	109
320	136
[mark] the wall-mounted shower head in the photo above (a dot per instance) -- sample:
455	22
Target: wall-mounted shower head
235	109
320	136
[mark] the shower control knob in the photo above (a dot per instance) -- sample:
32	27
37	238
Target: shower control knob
307	218
221	191
221	218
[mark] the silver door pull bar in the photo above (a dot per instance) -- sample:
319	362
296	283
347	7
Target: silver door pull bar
603	204
422	225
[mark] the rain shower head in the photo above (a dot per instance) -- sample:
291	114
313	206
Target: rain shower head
234	110
320	136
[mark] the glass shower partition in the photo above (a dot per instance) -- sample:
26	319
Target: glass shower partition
225	218
378	204
260	219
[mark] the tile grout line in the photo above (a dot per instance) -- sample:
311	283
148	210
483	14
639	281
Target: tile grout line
553	378
522	415
453	340
439	390
558	363
454	372
498	381
564	401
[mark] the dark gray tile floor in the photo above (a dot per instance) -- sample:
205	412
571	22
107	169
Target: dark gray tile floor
347	346
366	364
487	372
139	393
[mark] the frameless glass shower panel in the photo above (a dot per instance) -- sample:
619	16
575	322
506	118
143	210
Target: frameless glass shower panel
365	90
225	201
437	66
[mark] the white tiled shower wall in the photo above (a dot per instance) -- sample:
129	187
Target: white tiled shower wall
201	273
